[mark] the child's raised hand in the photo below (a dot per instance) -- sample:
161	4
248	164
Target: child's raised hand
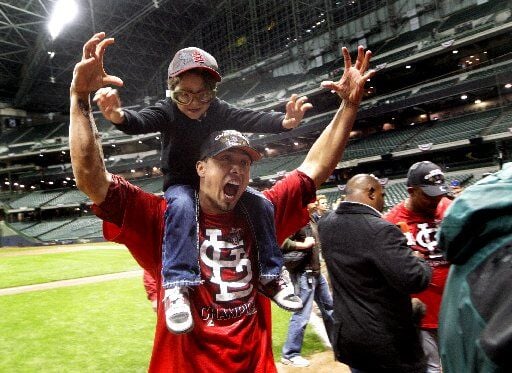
109	103
295	110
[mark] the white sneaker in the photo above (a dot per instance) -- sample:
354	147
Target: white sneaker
282	292
296	361
178	317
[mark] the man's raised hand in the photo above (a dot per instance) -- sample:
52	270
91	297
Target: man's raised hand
350	87
89	74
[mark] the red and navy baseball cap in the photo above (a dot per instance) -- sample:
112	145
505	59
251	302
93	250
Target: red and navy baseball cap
219	141
429	177
193	58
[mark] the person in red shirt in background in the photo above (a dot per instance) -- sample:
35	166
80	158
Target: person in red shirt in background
232	330
419	217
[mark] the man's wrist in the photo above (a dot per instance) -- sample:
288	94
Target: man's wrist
349	104
81	102
79	95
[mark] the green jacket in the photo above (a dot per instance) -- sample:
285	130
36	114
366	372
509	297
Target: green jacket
475	321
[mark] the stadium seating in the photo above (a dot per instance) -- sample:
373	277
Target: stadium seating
379	143
407	38
43	227
258	88
453	129
151	185
21	225
502	124
35	199
10	136
83	227
395	193
436	86
473	15
69	198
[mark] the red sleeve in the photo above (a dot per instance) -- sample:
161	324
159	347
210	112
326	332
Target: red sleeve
150	285
134	218
290	197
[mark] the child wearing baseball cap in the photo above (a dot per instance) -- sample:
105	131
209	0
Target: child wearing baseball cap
187	117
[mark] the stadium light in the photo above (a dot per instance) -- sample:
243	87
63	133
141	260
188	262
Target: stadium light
63	13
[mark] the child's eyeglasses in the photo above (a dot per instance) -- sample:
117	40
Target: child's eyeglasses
186	98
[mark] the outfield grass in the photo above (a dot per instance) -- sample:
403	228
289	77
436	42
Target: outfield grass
101	327
280	319
36	269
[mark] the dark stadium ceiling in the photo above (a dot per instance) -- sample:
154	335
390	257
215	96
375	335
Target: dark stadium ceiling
147	34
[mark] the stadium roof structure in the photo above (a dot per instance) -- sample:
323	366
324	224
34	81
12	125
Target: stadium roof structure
35	71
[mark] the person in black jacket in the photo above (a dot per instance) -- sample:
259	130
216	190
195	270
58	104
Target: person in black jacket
372	272
184	120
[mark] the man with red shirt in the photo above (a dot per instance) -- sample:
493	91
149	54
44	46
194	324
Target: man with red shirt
233	329
419	217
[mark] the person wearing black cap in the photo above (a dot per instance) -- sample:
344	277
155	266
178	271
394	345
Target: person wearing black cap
372	271
184	121
420	216
232	330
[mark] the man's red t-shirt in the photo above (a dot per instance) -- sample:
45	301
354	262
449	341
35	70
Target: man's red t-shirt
232	331
421	236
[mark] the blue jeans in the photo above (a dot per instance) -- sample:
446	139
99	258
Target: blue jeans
431	350
310	288
180	247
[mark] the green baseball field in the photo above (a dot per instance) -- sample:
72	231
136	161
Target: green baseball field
83	308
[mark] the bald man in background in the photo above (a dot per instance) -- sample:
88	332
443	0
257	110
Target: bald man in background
373	272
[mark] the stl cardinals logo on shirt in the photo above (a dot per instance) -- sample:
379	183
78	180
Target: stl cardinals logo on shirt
231	268
423	239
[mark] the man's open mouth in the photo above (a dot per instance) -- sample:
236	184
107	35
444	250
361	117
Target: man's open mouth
231	189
